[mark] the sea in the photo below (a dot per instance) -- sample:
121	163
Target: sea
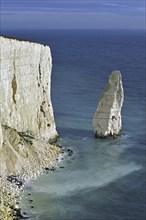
104	179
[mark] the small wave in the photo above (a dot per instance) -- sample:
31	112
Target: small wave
85	138
125	136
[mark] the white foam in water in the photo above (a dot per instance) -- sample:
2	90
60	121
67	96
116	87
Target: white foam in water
79	180
61	156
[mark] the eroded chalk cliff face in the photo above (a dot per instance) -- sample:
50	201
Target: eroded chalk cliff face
25	100
25	88
1	136
107	118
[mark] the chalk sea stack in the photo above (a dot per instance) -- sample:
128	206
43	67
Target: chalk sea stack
107	118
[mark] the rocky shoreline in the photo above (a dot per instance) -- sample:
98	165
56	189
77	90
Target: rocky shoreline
12	185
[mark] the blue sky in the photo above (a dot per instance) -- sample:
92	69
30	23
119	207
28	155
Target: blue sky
48	14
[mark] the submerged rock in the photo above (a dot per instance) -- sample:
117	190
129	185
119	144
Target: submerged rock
21	215
107	118
69	152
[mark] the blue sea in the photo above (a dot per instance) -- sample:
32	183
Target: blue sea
105	178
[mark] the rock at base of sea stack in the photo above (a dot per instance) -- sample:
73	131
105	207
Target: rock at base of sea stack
107	118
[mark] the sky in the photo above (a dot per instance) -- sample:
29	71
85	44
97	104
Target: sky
77	14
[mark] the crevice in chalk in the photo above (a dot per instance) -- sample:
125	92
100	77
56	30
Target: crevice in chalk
14	88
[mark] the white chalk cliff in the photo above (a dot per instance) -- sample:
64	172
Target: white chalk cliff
1	136
25	99
107	118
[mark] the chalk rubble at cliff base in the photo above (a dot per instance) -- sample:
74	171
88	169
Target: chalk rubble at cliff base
12	185
107	118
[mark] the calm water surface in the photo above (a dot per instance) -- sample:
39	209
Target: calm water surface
104	179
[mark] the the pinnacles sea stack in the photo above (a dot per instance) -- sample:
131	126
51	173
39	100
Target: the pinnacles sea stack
107	118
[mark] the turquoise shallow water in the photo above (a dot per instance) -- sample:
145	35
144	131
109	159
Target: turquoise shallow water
104	179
